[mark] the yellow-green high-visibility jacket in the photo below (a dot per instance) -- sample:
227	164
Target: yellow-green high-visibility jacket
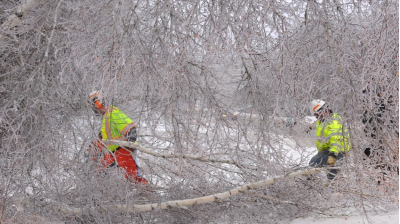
332	135
115	125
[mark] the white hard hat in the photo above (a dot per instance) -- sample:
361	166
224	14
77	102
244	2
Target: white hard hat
316	105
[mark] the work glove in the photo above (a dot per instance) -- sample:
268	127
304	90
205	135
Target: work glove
331	160
131	135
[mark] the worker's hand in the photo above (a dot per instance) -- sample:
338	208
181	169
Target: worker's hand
132	135
331	160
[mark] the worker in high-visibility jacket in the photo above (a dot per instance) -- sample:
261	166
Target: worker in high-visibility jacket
116	125
332	137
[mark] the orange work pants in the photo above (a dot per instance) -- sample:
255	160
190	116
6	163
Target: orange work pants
122	158
126	161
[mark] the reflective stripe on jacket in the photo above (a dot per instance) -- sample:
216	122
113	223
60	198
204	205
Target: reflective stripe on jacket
115	125
332	135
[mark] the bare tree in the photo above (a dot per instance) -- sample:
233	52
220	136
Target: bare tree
219	90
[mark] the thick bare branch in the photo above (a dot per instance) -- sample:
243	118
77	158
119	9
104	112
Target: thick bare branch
200	200
170	156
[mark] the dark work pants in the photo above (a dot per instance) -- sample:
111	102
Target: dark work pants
321	160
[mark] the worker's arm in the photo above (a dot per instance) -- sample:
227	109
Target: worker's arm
338	140
125	125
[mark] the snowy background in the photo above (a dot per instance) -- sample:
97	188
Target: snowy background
220	91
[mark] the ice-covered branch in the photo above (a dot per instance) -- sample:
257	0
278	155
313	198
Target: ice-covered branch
46	54
15	19
170	156
200	200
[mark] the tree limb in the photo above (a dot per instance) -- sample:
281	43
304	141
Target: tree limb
200	200
168	156
46	54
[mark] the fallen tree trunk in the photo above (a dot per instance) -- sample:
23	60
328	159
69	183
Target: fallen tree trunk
196	201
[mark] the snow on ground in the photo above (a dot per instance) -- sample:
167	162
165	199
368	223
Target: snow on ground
385	218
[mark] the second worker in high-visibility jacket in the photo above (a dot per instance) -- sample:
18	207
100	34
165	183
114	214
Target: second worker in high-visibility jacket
116	125
332	137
